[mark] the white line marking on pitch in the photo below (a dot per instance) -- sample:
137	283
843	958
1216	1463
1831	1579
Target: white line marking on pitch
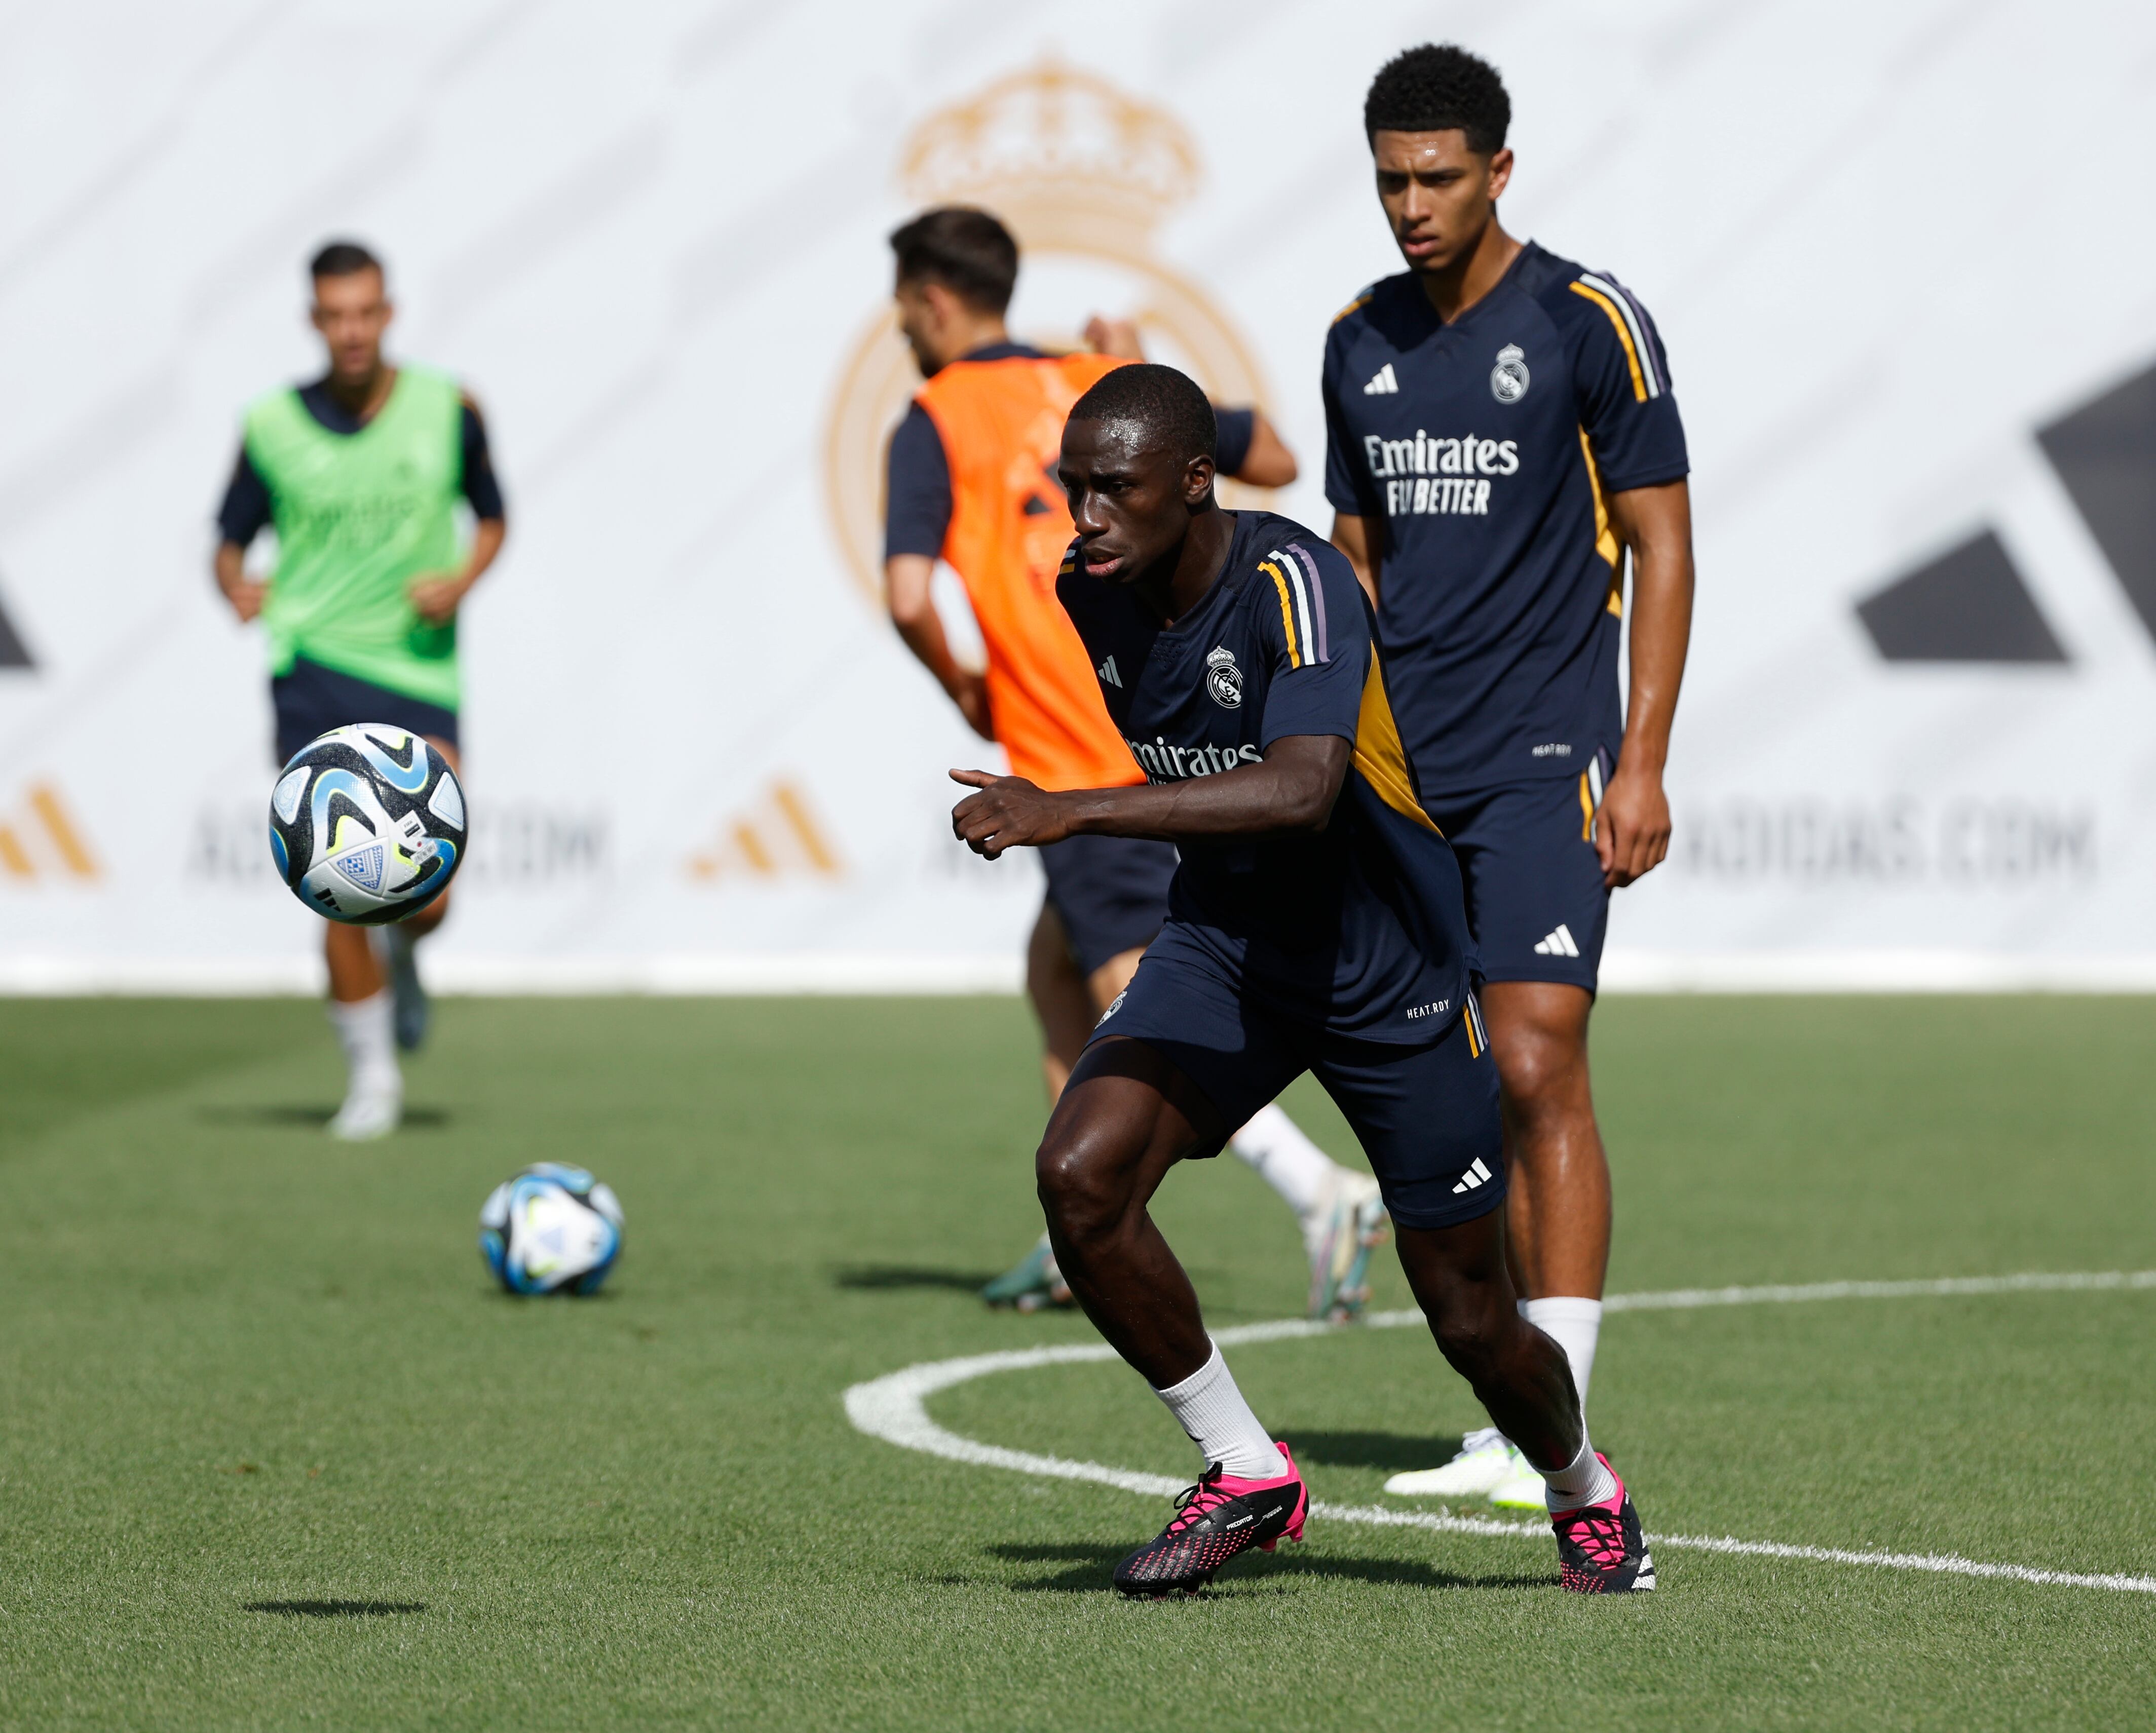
893	1409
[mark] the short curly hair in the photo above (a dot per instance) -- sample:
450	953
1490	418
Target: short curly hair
1439	88
1166	407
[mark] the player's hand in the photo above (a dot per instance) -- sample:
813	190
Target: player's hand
1631	827
971	698
247	599
1007	812
436	595
1118	338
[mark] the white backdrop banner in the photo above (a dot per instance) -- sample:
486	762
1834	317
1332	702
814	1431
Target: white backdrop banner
1900	253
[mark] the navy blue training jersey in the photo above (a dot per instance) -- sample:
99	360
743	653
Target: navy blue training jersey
1359	929
1478	453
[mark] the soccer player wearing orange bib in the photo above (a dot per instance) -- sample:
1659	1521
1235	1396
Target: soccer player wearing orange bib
972	481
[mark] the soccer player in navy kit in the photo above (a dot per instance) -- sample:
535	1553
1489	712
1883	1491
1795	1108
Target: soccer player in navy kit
971	480
1501	432
1314	923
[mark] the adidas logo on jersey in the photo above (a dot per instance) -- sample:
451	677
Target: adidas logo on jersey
1381	382
1476	1178
1109	677
1559	943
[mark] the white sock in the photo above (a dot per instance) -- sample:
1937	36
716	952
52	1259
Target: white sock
1208	1406
1584	1480
1575	1325
1287	1160
365	1029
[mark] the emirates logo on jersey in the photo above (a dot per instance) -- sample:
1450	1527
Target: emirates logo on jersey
1223	679
1509	378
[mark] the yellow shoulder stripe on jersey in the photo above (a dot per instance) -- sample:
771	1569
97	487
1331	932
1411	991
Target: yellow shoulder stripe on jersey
1605	538
1288	613
1623	336
1360	301
1379	755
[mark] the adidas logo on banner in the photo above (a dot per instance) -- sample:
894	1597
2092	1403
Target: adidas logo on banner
775	837
1559	944
41	840
1107	670
1478	1174
1381	383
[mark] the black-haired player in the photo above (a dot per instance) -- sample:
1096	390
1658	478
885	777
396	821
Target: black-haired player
1501	433
971	480
1315	924
361	474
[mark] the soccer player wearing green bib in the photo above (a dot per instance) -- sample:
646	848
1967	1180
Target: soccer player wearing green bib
361	474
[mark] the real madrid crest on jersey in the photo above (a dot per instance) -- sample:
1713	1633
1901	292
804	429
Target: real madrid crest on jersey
1223	679
1508	379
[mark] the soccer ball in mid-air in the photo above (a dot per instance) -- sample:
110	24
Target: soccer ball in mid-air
367	824
553	1229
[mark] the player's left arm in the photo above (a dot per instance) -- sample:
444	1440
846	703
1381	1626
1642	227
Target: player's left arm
1251	448
437	595
1632	825
1628	411
1292	788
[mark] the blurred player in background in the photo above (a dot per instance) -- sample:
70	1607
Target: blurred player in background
1501	432
1317	926
972	481
360	474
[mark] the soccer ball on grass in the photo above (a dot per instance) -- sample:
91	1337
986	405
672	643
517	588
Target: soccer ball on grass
367	824
553	1229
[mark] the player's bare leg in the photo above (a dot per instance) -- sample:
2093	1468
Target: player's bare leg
1559	1208
1558	1213
1128	1117
377	1005
1460	1282
1340	1215
1069	1002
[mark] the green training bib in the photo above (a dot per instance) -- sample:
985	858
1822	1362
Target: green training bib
358	516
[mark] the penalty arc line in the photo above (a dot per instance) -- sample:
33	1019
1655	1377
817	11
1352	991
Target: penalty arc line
894	1408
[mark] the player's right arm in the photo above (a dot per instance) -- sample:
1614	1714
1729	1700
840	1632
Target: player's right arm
1312	710
910	593
1291	789
244	514
1351	534
1355	533
916	516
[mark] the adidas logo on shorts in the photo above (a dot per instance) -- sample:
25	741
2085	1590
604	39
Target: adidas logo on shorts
1559	943
1477	1177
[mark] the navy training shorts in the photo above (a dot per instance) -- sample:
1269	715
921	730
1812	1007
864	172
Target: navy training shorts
1536	902
311	699
1111	892
1426	1117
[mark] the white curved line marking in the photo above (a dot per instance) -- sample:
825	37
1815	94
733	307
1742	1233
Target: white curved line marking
893	1409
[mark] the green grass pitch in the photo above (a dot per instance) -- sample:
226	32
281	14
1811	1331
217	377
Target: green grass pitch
273	1452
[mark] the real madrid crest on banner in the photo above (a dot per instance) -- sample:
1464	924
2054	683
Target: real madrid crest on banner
1508	379
1081	174
1223	679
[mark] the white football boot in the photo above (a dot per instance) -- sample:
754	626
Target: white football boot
1486	1461
372	1107
1338	1241
1524	1489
